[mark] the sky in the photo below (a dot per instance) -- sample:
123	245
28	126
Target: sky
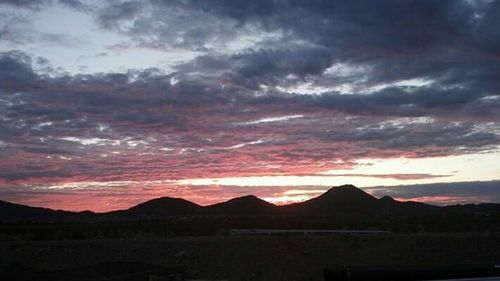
107	104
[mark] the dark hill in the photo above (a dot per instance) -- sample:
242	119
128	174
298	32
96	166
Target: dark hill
15	212
340	199
488	209
242	206
388	206
348	199
160	208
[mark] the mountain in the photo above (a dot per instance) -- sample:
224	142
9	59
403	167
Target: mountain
176	207
345	199
15	212
340	199
247	205
348	199
159	208
388	206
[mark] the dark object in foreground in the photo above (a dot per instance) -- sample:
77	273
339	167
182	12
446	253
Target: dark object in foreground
409	273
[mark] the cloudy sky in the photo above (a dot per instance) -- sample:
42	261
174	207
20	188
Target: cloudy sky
106	104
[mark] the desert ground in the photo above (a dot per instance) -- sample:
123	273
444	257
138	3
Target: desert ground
243	257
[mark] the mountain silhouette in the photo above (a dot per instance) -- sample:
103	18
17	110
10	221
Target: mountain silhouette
348	199
246	205
345	199
13	212
340	199
160	207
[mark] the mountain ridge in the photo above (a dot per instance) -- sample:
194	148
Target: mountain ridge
345	199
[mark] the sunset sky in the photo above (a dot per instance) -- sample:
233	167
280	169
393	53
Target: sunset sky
106	104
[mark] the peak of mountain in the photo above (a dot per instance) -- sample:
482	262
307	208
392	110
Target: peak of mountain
247	199
166	201
344	187
348	199
246	205
163	207
340	199
387	199
346	193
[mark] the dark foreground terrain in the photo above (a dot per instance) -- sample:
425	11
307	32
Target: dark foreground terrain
238	257
180	236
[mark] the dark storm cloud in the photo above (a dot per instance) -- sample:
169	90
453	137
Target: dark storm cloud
16	72
240	10
420	24
457	103
117	12
306	61
25	3
404	134
451	41
363	25
72	3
